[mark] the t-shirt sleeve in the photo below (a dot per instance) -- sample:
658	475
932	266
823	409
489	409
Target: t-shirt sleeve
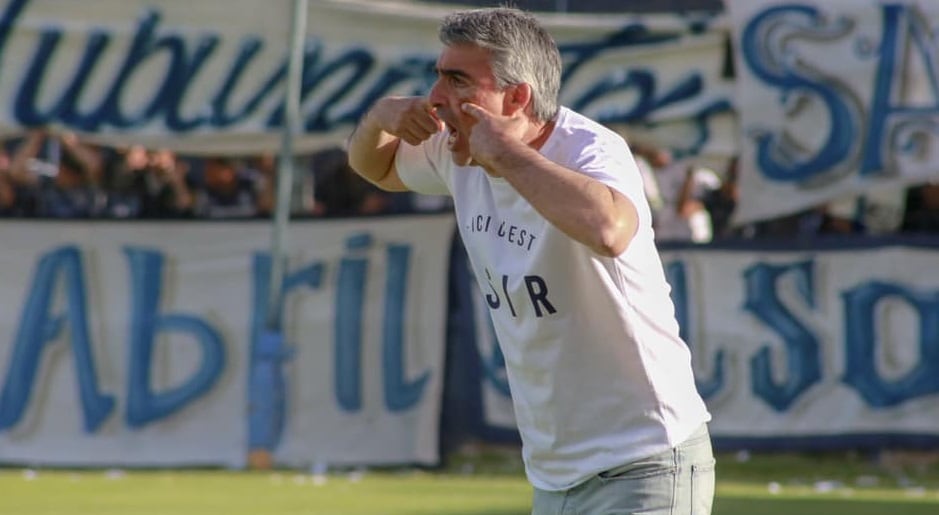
609	160
419	167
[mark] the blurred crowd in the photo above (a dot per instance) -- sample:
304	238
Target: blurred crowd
55	175
694	202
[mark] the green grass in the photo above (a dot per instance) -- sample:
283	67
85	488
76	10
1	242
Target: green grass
237	493
487	483
827	484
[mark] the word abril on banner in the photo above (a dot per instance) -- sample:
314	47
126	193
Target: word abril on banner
836	98
208	77
136	343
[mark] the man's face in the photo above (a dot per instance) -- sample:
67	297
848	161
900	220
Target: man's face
464	75
220	176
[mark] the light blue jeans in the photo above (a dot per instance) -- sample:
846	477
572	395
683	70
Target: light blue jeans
679	481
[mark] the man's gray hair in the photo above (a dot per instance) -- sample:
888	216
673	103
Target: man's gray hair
522	51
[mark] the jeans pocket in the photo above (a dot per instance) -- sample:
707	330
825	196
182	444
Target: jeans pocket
646	487
659	465
702	487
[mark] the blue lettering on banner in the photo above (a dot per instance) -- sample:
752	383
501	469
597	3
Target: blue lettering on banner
8	21
677	278
777	154
350	297
221	117
400	394
39	326
905	29
336	90
63	269
166	101
892	128
267	386
860	305
651	96
143	404
803	360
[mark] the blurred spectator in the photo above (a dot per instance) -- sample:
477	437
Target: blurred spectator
805	224
422	203
878	211
168	192
7	195
339	191
124	174
61	174
144	184
676	190
922	209
9	205
228	190
721	203
262	171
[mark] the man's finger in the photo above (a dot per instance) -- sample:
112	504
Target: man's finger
431	124
428	123
433	112
415	135
474	110
411	138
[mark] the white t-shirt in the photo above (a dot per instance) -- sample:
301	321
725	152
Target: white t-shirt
598	374
668	224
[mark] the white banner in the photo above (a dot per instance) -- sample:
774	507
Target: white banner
130	343
836	98
798	346
208	77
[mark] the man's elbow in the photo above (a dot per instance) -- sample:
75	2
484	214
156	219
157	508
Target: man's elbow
368	170
360	166
614	239
617	230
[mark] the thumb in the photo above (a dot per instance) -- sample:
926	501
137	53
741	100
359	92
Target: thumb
431	109
475	111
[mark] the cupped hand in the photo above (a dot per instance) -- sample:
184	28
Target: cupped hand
412	119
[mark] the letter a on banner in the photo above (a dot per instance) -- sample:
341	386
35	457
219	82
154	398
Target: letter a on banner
38	327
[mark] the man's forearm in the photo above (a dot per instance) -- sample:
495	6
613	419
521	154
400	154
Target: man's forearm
372	150
585	209
373	145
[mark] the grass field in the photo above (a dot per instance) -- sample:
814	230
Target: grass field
480	485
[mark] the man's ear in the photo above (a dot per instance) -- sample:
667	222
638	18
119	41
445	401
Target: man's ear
517	98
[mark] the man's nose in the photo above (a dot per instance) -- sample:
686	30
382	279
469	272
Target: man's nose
435	97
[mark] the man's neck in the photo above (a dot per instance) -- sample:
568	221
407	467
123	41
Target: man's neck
539	133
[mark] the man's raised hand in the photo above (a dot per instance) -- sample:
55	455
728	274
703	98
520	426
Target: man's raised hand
492	133
412	119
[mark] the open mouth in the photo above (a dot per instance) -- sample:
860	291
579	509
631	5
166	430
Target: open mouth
452	137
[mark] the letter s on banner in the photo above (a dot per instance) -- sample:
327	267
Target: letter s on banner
802	348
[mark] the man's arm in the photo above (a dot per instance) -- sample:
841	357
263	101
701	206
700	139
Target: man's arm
88	156
373	145
583	208
28	149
